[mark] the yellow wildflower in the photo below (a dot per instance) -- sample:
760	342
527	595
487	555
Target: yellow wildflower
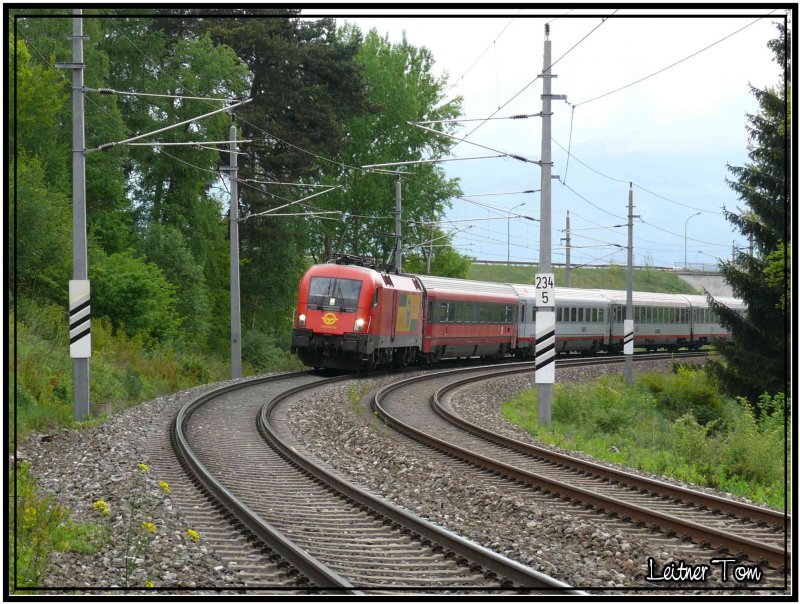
149	583
194	535
149	527
101	506
164	486
29	516
144	467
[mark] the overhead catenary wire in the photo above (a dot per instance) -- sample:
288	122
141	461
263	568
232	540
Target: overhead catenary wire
185	143
156	95
127	141
521	116
650	224
285	184
496	38
525	192
592	203
464	140
292	203
663	69
626	181
529	84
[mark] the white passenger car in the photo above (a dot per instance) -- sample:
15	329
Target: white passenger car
659	320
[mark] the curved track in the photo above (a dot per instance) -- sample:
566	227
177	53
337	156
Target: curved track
419	407
336	536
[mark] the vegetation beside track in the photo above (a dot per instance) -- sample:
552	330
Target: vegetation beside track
124	370
614	277
673	424
42	526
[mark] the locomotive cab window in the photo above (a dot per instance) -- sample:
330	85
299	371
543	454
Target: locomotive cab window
333	293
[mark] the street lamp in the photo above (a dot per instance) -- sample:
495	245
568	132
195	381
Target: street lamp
685	224
508	231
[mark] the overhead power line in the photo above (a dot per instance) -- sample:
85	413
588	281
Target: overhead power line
463	140
152	94
585	165
529	84
592	203
663	69
491	44
650	224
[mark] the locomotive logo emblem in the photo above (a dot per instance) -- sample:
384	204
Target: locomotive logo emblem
329	319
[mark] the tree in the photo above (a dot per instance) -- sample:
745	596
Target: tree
166	247
445	261
42	232
756	361
305	87
401	88
45	127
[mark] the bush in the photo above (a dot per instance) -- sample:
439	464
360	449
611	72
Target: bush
693	441
754	449
134	295
690	391
263	353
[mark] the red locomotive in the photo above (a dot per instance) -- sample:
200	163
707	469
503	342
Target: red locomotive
352	316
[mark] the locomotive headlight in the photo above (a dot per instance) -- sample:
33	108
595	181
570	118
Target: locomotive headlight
359	325
301	320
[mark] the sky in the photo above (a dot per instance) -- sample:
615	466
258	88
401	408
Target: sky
672	135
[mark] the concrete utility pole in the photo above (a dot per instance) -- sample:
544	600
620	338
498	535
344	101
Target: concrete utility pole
545	312
398	253
236	322
567	267
628	322
79	309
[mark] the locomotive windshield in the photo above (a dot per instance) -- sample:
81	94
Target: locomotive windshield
332	293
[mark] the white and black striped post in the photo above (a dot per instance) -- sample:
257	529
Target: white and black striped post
80	333
545	364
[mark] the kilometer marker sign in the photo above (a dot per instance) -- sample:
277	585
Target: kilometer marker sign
545	349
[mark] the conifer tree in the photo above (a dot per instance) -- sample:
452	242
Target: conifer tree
757	358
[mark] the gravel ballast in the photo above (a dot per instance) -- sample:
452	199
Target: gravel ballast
101	463
81	467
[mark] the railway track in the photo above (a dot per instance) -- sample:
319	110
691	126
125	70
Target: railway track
322	532
419	407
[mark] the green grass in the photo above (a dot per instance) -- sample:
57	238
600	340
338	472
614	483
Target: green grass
669	424
615	277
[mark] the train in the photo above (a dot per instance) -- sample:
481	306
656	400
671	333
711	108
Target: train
351	316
